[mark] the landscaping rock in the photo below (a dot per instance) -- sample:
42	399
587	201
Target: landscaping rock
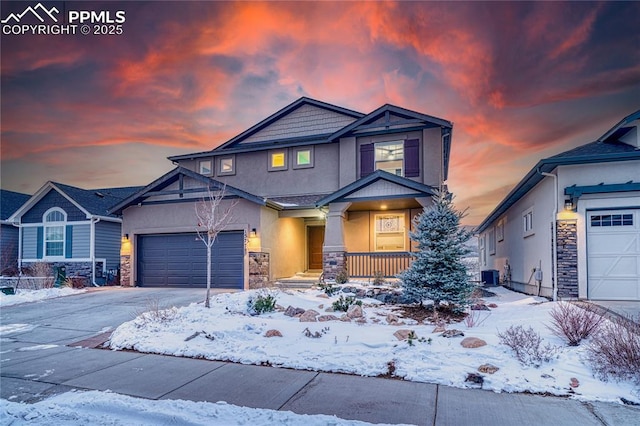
322	296
393	320
330	309
452	333
480	307
345	318
361	320
492	305
574	382
402	334
475	379
309	316
292	312
472	342
273	333
321	306
324	318
488	368
439	329
355	311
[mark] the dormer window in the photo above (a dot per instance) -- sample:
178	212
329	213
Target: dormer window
54	227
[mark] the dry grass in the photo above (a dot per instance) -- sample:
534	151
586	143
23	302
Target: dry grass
527	345
615	350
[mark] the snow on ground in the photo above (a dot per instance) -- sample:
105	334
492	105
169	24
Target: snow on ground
25	296
106	408
227	332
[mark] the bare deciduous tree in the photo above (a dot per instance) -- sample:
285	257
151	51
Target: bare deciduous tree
212	218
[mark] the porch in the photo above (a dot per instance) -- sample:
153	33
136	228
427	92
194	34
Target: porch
368	264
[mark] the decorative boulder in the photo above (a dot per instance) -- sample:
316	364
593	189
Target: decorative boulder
452	333
309	316
292	312
472	342
323	318
273	333
355	311
488	368
439	329
403	334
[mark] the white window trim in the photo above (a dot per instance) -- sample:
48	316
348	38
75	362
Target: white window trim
211	167
233	165
396	142
500	231
285	166
491	235
62	224
528	227
311	157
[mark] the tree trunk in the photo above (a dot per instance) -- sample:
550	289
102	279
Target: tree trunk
209	244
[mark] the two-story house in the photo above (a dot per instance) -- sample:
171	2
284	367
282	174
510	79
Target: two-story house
318	187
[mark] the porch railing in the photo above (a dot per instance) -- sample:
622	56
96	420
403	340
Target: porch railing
364	265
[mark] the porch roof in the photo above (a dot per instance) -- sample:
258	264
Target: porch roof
403	188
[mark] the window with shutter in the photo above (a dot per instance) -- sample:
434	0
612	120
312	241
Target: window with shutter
366	160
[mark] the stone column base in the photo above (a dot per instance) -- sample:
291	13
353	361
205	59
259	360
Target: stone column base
567	253
258	270
125	271
333	263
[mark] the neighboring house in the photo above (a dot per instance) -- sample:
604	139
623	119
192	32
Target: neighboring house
71	227
9	202
319	188
571	227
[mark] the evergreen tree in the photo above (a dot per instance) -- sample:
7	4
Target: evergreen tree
438	272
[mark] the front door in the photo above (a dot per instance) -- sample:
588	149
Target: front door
315	239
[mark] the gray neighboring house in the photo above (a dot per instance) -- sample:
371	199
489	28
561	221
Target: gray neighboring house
10	201
68	226
319	188
571	227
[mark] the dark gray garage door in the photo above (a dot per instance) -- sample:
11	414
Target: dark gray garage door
180	260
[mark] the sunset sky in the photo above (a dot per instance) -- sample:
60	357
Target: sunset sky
520	81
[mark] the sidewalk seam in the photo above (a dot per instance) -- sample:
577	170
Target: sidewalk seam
196	378
435	407
299	390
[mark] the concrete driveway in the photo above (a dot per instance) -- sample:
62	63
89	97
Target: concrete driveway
45	349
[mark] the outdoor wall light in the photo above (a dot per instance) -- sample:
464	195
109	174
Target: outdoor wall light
253	233
568	204
126	237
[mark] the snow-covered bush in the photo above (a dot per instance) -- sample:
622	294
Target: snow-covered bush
438	272
615	350
574	323
343	303
342	277
527	345
264	302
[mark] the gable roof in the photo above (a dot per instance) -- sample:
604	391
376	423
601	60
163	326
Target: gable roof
174	176
232	145
92	202
11	201
379	175
607	148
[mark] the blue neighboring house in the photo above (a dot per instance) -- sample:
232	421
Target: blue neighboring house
9	202
68	226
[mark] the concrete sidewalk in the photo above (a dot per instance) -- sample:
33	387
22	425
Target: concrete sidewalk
30	372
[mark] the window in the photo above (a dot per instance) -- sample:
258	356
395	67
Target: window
389	156
54	230
527	222
205	167
389	232
303	158
277	160
612	220
500	231
492	241
227	166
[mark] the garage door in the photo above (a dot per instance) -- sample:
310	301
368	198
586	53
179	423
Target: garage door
613	247
180	260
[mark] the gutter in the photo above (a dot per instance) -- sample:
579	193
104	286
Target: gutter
94	220
554	226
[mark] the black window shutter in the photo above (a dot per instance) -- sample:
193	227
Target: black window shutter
366	160
412	158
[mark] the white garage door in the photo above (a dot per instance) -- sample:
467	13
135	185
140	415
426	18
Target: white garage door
613	247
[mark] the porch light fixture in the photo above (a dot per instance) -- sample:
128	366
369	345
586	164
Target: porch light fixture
126	237
253	233
568	204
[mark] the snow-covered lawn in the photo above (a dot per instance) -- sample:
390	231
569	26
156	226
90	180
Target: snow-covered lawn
105	408
226	331
24	295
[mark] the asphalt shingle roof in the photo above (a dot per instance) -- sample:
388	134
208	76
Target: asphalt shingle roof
98	201
10	202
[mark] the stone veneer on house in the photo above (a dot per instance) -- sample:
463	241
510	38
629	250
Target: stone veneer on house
567	253
258	270
334	262
125	270
74	269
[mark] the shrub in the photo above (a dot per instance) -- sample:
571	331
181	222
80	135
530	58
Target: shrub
343	303
154	312
378	278
342	277
527	345
615	350
329	288
261	304
574	323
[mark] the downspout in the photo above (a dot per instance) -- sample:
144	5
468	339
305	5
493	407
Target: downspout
554	248
92	250
17	225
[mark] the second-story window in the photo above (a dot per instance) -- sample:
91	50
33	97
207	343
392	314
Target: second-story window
303	157
389	156
227	166
205	167
278	160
